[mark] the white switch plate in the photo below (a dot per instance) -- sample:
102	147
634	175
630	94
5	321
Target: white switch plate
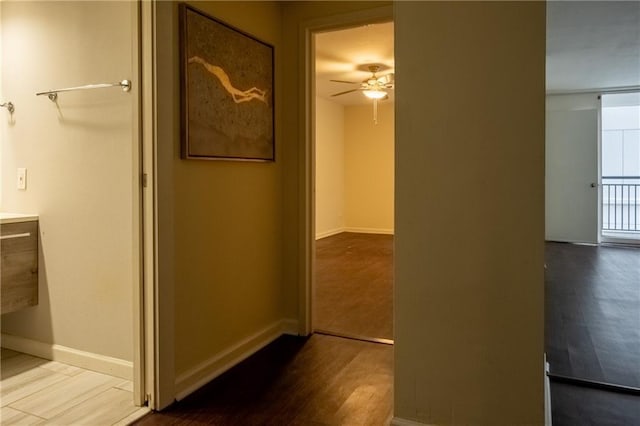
22	178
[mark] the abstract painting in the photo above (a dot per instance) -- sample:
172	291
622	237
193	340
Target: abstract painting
226	91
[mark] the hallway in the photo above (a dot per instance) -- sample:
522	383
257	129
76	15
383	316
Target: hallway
321	380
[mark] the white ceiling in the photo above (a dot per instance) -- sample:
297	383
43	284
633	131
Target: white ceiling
590	45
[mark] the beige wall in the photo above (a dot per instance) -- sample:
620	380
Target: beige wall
225	217
469	266
330	167
80	160
354	168
369	168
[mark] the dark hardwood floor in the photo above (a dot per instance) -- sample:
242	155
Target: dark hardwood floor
592	331
322	380
354	285
583	406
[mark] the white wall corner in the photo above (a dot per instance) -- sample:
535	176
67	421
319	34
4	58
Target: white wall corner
397	421
87	360
330	233
198	376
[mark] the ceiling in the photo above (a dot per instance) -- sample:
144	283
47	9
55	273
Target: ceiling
344	55
590	45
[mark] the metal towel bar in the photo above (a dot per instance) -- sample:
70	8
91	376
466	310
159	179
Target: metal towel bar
53	94
8	237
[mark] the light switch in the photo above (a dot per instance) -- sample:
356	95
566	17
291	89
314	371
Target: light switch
22	178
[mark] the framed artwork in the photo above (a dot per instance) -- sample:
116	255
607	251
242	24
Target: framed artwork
226	91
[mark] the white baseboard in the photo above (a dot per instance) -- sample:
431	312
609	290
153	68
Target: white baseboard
198	376
369	230
325	234
290	327
547	394
87	360
397	421
564	240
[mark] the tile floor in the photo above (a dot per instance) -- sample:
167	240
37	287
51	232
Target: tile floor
37	391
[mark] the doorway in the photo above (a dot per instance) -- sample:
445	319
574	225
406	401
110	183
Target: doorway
353	176
591	301
79	348
620	167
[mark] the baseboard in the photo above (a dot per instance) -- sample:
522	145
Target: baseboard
193	379
397	421
578	242
369	230
325	234
87	360
290	327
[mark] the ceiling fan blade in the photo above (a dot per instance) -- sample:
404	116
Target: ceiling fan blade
345	92
386	79
343	81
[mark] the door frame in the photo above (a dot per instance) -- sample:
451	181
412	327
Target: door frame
138	223
145	390
144	222
156	29
306	161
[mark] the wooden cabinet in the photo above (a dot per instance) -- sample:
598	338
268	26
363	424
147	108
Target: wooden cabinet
19	268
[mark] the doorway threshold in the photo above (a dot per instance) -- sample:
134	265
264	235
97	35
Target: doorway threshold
355	337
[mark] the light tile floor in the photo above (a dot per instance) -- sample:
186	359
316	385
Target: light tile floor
35	391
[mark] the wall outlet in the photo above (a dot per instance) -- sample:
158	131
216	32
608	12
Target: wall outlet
22	178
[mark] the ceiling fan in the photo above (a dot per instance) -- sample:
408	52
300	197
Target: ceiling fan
374	87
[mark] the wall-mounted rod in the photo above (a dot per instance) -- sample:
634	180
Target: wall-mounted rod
9	106
53	94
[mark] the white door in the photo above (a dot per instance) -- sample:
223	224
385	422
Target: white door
571	191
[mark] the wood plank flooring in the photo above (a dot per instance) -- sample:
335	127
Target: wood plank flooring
593	312
37	391
592	331
581	406
354	285
322	380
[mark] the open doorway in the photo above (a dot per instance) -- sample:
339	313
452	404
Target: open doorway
354	170
72	230
620	167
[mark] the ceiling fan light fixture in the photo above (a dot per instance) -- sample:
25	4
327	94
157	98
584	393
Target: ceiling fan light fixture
375	93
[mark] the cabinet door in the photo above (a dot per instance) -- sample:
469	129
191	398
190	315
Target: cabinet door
19	269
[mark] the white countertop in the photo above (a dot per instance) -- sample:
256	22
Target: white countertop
17	217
